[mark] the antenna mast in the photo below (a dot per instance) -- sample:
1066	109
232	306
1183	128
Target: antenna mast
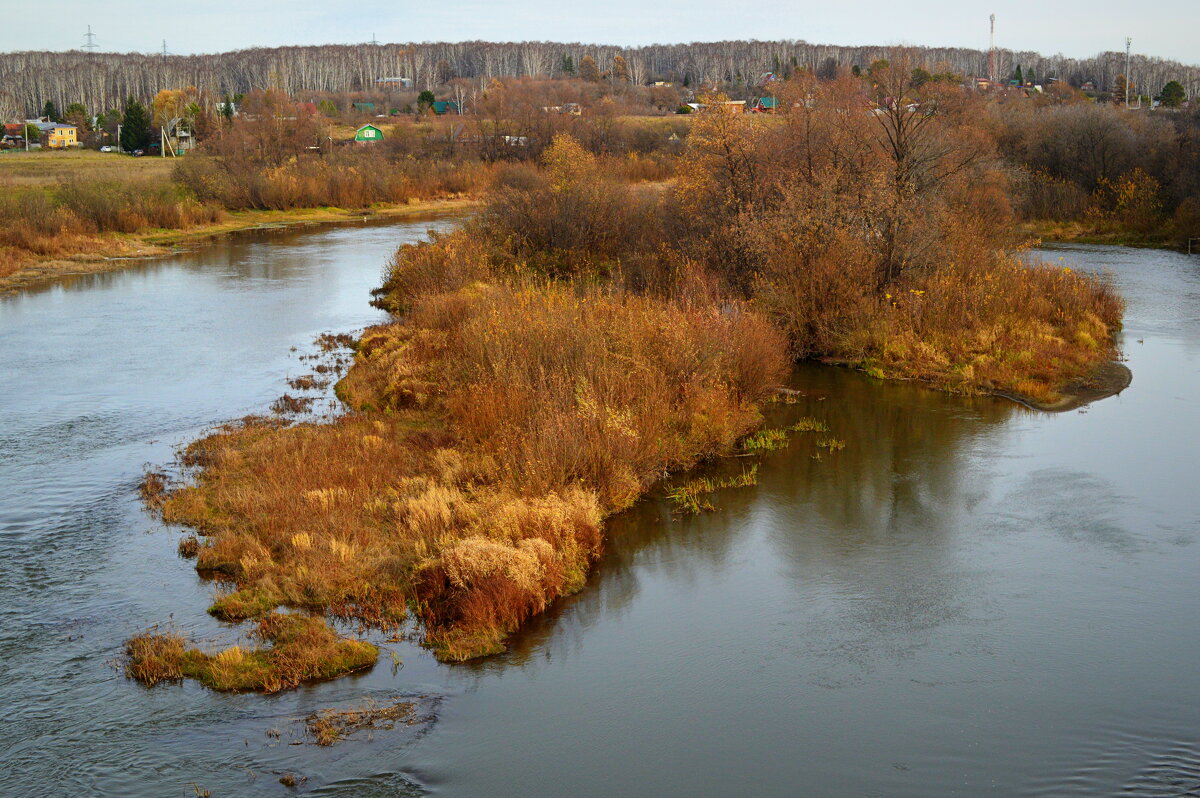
1128	41
992	52
90	40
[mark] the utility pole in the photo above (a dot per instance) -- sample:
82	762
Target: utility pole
1128	41
90	40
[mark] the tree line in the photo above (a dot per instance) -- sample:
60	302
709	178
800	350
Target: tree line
103	80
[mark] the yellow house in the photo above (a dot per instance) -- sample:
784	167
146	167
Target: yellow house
62	136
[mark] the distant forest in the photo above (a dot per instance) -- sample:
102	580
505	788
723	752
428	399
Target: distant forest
103	80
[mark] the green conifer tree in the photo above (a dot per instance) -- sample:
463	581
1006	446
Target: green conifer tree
135	129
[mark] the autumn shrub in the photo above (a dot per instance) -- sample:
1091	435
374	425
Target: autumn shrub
1186	222
1041	195
1131	202
573	217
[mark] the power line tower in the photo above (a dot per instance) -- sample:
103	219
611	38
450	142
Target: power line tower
992	52
90	40
373	41
165	53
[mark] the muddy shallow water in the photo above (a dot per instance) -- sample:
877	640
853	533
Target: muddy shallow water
971	598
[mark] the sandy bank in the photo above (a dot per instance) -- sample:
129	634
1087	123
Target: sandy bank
1108	380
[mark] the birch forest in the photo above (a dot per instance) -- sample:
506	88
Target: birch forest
103	80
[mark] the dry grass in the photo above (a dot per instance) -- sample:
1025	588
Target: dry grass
498	425
301	649
77	215
49	167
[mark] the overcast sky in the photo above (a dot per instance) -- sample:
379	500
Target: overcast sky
1165	28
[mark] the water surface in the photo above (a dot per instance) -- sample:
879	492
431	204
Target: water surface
970	599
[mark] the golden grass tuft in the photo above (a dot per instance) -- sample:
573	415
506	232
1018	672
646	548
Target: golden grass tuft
300	649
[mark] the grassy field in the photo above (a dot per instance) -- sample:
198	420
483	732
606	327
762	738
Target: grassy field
47	167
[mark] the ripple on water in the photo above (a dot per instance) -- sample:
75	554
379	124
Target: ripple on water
1128	764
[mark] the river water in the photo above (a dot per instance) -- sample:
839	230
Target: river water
970	599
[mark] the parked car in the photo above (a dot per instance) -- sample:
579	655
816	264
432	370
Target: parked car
138	153
107	148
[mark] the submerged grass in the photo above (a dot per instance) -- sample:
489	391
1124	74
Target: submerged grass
331	726
692	496
766	440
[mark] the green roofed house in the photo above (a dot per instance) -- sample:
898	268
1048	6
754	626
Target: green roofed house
363	108
445	107
368	133
764	105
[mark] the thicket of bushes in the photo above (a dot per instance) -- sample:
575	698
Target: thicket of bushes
343	180
1100	166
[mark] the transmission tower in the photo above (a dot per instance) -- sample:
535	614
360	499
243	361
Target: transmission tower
164	49
373	41
89	40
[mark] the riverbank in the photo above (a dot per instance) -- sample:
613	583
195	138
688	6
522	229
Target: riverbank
1052	232
113	251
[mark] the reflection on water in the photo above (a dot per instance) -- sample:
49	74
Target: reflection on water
969	599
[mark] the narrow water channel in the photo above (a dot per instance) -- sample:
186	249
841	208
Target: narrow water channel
969	599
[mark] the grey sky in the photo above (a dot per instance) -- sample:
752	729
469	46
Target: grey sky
1073	27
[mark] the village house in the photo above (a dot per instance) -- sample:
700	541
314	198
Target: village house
14	134
441	107
368	133
59	136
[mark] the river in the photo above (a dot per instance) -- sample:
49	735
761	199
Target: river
970	599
